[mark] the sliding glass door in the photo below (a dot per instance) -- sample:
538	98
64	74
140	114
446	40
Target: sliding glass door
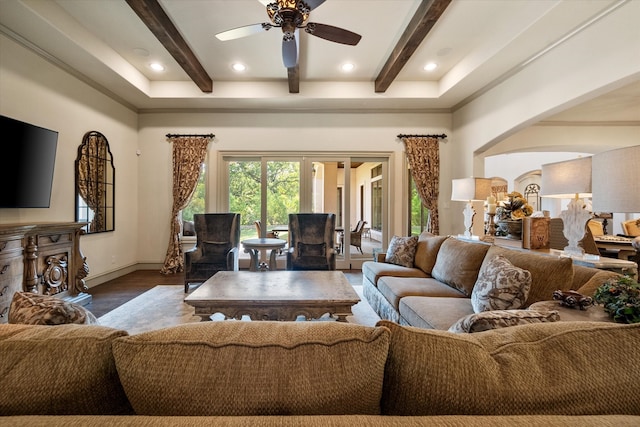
267	188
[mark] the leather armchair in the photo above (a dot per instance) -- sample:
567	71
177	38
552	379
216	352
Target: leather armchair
312	241
217	247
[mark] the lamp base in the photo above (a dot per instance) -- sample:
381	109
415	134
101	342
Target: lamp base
469	213
575	221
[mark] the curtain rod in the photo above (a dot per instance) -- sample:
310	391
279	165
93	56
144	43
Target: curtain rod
178	135
441	136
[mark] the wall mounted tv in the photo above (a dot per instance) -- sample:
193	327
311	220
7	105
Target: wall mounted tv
26	173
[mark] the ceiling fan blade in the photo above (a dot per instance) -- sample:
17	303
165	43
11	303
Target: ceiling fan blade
333	34
245	31
290	50
314	3
266	2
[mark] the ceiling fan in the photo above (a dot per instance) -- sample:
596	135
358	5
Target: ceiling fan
292	15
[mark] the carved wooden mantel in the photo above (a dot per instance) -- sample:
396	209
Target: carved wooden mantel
44	258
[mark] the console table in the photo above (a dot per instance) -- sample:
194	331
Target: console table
43	258
629	268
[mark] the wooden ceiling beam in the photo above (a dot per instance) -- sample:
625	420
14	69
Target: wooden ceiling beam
293	75
156	19
422	22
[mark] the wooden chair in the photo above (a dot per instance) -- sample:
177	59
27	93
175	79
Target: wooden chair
356	235
269	234
631	228
217	243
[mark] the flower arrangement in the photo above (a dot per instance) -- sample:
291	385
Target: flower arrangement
621	299
515	207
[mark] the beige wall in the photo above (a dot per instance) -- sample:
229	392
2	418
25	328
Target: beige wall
598	59
308	133
34	91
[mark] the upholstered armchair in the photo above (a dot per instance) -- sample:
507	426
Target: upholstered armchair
312	241
217	242
356	235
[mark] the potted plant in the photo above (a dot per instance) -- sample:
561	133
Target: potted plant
621	299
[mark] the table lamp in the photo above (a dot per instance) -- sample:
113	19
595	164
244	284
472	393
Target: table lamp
570	179
616	180
470	190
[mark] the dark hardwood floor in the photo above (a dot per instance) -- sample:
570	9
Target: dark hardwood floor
112	294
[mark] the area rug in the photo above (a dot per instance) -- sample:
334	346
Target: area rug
163	306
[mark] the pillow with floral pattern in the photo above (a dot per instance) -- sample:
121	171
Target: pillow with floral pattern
496	319
500	286
402	250
35	309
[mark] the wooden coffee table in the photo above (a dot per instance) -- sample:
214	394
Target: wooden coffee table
278	295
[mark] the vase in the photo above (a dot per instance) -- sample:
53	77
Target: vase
514	229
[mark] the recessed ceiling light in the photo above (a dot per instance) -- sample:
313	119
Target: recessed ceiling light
156	66
430	66
140	51
238	67
347	67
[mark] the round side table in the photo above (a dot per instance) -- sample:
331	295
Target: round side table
255	247
592	314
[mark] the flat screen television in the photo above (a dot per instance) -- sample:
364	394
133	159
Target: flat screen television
28	155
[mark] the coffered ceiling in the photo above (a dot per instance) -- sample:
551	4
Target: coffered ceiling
474	43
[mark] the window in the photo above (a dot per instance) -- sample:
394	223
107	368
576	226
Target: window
197	203
418	214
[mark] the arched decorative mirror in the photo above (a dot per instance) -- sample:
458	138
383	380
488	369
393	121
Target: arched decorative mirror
95	184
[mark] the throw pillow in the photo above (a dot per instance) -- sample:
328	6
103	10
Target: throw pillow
548	274
402	251
496	319
427	250
34	309
311	249
458	264
500	286
254	368
215	248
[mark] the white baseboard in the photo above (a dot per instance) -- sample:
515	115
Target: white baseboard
92	281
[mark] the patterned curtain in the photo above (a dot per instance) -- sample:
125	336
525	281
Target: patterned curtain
424	159
188	154
92	161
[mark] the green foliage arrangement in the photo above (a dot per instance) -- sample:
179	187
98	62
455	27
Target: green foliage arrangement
621	299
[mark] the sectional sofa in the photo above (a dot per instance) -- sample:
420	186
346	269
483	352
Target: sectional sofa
236	373
433	289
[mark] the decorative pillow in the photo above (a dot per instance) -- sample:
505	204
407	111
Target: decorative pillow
556	368
215	248
427	251
496	319
402	251
254	368
548	273
458	264
33	309
65	370
500	286
310	249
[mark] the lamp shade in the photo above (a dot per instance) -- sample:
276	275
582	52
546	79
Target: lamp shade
567	179
616	180
471	189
